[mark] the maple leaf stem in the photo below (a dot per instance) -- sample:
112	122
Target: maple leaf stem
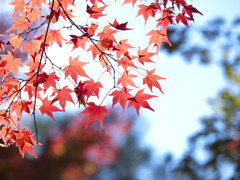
74	24
106	95
38	70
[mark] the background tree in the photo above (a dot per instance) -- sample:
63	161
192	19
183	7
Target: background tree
213	151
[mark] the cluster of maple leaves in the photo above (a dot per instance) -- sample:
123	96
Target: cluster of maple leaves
36	28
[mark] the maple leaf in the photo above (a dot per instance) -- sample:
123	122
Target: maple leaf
122	26
93	87
152	80
30	89
33	47
144	56
157	37
34	15
181	17
24	141
6	120
50	81
126	79
81	92
15	41
63	95
12	63
78	41
166	19
55	36
126	61
19	6
2	45
139	100
129	1
94	1
37	3
95	12
147	11
189	10
20	24
75	68
122	47
107	33
90	31
48	108
108	44
121	97
94	112
19	107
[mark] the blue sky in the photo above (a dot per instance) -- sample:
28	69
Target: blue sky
188	88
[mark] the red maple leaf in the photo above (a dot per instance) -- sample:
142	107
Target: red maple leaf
121	97
19	107
93	87
24	141
140	100
94	112
50	81
81	92
90	31
122	26
78	41
152	80
166	18
184	19
63	95
48	108
95	12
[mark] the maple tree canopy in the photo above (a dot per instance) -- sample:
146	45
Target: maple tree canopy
38	25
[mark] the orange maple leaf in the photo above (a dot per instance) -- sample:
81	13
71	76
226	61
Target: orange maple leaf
75	68
129	1
147	11
19	6
144	56
157	37
20	24
12	63
126	79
